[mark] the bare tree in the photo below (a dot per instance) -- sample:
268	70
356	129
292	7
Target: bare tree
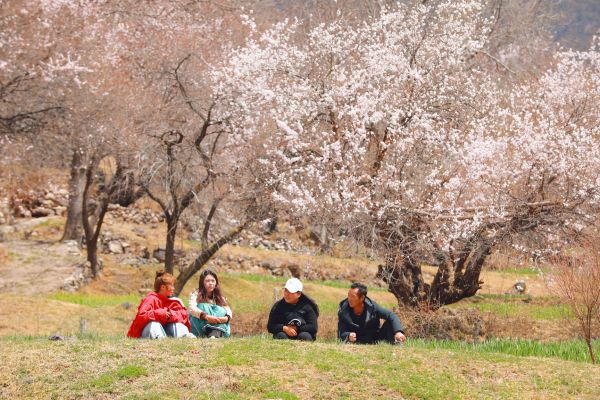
576	280
116	188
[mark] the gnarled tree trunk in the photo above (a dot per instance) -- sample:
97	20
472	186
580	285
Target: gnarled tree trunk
73	226
458	272
454	280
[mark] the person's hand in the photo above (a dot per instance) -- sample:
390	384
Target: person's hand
352	337
168	314
290	330
213	320
202	315
399	337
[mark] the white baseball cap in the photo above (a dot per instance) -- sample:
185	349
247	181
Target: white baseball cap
293	285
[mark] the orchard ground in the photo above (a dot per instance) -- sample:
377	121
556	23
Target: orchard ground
529	348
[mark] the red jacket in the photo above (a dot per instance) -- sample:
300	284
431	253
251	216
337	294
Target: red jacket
154	308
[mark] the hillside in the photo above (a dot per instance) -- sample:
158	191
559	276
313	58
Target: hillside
260	368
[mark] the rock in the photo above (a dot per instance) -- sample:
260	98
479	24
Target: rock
60	210
79	278
56	337
195	236
268	226
270	264
134	262
159	254
139	231
47	203
144	253
520	287
294	270
23	212
51	197
74	252
7	229
115	247
126	305
41	212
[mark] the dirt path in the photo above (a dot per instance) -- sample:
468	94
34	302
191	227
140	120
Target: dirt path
35	267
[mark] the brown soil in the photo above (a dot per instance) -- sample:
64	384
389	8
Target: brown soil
36	267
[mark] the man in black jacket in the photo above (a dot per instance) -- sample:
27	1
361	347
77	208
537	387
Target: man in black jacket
295	315
358	319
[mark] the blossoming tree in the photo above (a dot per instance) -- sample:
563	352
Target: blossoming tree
395	131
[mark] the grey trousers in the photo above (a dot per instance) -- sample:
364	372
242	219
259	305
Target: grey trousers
154	330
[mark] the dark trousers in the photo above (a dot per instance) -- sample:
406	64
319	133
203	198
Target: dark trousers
214	333
301	336
384	334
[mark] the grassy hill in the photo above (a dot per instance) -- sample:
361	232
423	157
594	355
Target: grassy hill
261	368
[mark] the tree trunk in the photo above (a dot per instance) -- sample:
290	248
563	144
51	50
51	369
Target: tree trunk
204	257
591	350
405	280
96	265
73	226
92	235
454	280
170	245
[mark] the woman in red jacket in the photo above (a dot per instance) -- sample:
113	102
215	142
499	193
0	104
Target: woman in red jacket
160	315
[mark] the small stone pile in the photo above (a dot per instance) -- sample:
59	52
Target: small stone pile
37	203
4	211
251	239
111	243
135	215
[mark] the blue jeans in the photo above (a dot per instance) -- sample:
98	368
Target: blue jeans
154	330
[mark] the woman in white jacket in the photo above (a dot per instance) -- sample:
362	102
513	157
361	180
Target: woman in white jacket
210	314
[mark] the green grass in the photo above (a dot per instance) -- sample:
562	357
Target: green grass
53	222
571	350
261	368
96	300
106	381
521	271
514	309
269	278
256	277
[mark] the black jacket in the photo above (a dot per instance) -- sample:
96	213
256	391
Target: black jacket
282	313
369	332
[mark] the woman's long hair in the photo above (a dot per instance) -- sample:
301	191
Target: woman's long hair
311	302
216	296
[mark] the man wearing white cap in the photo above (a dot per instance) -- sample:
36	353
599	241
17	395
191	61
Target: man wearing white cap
295	315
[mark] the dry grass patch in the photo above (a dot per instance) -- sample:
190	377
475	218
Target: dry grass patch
30	315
